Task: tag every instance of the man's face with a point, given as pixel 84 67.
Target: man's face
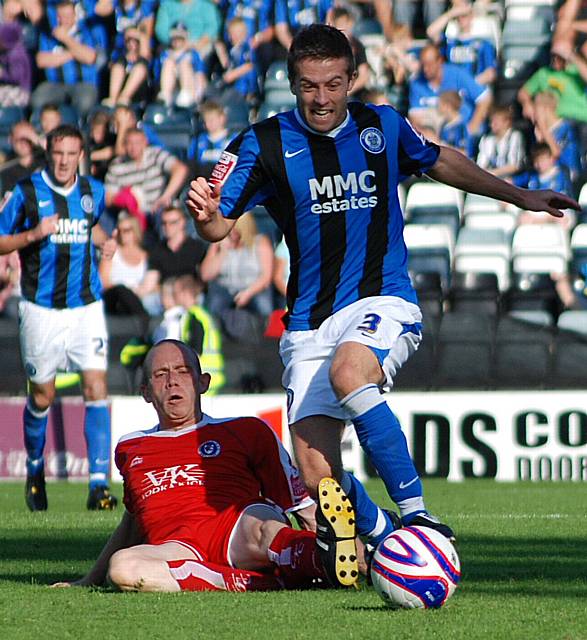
pixel 135 145
pixel 21 138
pixel 64 159
pixel 214 121
pixel 173 223
pixel 66 15
pixel 431 62
pixel 321 88
pixel 499 124
pixel 174 386
pixel 50 120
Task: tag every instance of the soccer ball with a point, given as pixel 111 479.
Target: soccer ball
pixel 415 567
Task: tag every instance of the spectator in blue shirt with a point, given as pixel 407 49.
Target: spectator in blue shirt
pixel 476 55
pixel 258 15
pixel 239 62
pixel 209 144
pixel 453 131
pixel 558 133
pixel 292 15
pixel 183 73
pixel 437 76
pixel 70 57
pixel 545 172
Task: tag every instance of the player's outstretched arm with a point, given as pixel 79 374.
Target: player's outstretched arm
pixel 203 203
pixel 124 536
pixel 456 170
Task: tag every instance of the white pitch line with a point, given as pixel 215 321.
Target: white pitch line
pixel 515 516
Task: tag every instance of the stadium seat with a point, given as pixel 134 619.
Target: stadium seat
pixel 163 118
pixel 504 220
pixel 532 292
pixel 540 248
pixel 519 61
pixel 579 249
pixel 427 195
pixel 430 249
pixel 280 98
pixel 474 203
pixel 475 293
pixel 523 353
pixel 484 251
pixel 570 352
pixel 433 203
pixel 465 349
pixel 420 369
pixel 428 286
pixel 535 31
pixel 367 26
pixel 276 76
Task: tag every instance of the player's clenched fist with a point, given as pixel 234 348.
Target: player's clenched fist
pixel 47 226
pixel 202 201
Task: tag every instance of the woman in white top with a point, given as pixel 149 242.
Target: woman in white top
pixel 238 271
pixel 122 276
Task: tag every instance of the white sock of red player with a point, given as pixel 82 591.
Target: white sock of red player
pixel 196 575
pixel 295 554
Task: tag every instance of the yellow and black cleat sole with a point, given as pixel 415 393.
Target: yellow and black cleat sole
pixel 338 516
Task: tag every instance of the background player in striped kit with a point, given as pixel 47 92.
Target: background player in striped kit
pixel 51 219
pixel 328 173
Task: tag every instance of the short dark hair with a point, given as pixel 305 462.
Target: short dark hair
pixel 321 42
pixel 64 131
pixel 539 149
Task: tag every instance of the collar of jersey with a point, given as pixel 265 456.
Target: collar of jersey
pixel 170 433
pixel 55 187
pixel 330 134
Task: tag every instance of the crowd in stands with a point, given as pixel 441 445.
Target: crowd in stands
pixel 159 88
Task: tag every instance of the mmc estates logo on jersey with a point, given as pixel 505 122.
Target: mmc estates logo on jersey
pixel 71 231
pixel 341 193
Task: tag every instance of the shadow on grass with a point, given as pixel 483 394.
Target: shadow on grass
pixel 500 559
pixel 69 547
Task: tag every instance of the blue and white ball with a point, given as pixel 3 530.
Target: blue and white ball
pixel 415 567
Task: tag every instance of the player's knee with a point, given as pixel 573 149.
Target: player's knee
pixel 344 377
pixel 42 399
pixel 95 389
pixel 124 570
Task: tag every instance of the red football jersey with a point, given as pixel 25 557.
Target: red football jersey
pixel 181 478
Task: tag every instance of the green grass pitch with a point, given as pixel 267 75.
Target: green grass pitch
pixel 523 548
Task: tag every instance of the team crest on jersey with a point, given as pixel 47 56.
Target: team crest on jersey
pixel 87 203
pixel 209 449
pixel 372 140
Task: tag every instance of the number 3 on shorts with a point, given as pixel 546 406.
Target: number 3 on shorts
pixel 370 323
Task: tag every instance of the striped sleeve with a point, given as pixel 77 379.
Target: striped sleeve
pixel 415 153
pixel 10 212
pixel 247 184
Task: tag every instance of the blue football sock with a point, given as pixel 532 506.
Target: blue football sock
pixel 35 430
pixel 383 440
pixel 97 433
pixel 372 522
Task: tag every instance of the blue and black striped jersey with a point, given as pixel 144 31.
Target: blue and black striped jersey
pixel 334 196
pixel 60 271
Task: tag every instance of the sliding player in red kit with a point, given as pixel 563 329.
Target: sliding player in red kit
pixel 206 500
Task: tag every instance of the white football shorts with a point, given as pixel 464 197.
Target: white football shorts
pixel 62 339
pixel 388 325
